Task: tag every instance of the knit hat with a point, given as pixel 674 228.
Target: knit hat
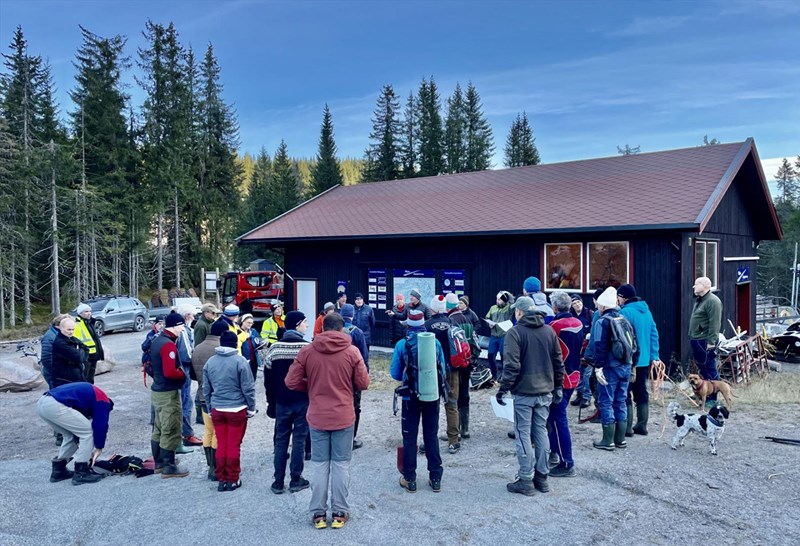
pixel 245 317
pixel 82 308
pixel 503 295
pixel 293 318
pixel 451 301
pixel 626 291
pixel 328 305
pixel 597 293
pixel 576 297
pixel 415 318
pixel 210 308
pixel 415 293
pixel 348 311
pixel 608 298
pixel 464 299
pixel 524 304
pixel 174 319
pixel 228 339
pixel 358 295
pixel 231 310
pixel 438 304
pixel 532 285
pixel 218 328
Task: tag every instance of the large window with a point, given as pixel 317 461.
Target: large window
pixel 563 264
pixel 608 264
pixel 706 256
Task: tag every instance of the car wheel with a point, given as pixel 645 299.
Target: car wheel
pixel 138 324
pixel 99 328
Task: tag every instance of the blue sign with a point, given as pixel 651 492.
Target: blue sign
pixel 414 273
pixel 742 275
pixel 453 281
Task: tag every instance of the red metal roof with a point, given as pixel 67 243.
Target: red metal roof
pixel 660 190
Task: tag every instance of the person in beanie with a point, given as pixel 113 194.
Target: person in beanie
pixel 534 374
pixel 326 310
pixel 286 406
pixel 500 312
pixel 364 318
pixel 613 374
pixel 415 302
pixel 570 337
pixel 635 309
pixel 439 325
pixel 403 368
pixel 704 326
pixel 168 378
pixel 252 345
pixel 79 412
pixel 230 317
pixel 582 313
pixel 397 329
pixel 463 306
pixel 359 342
pixel 457 318
pixel 185 345
pixel 208 315
pixel 532 286
pixel 200 356
pixel 86 334
pixel 230 392
pixel 587 387
pixel 273 328
pixel 341 299
pixel 330 370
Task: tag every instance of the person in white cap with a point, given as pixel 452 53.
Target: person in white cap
pixel 86 334
pixel 230 317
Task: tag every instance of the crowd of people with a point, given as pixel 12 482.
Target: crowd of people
pixel 541 352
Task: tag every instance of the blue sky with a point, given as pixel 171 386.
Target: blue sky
pixel 591 75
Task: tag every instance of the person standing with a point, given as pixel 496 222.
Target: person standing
pixel 635 309
pixel 326 310
pixel 415 303
pixel 439 325
pixel 461 315
pixel 252 344
pixel 341 299
pixel 69 355
pixel 185 345
pixel 86 334
pixel 405 368
pixel 230 392
pixel 230 317
pixel 704 327
pixel 288 407
pixel 360 342
pixel 46 359
pixel 532 287
pixel 534 373
pixel 364 318
pixel 273 328
pixel 330 369
pixel 500 312
pixel 79 412
pixel 585 389
pixel 397 329
pixel 208 315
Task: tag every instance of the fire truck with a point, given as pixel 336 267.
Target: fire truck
pixel 254 291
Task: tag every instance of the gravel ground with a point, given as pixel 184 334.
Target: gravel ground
pixel 645 494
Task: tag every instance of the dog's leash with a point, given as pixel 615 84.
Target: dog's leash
pixel 787 441
pixel 658 373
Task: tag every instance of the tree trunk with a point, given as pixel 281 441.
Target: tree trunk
pixel 177 242
pixel 2 298
pixel 55 287
pixel 160 253
pixel 12 286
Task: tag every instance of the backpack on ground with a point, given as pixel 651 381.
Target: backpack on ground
pixel 623 342
pixel 460 351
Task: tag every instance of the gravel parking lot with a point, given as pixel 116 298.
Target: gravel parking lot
pixel 645 494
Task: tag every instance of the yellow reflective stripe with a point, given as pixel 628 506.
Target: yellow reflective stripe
pixel 82 333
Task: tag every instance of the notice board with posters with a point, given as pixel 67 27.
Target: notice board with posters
pixel 423 280
pixel 376 289
pixel 453 281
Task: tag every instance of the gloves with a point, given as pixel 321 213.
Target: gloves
pixel 271 411
pixel 499 396
pixel 558 396
pixel 251 413
pixel 598 373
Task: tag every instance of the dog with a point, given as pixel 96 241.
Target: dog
pixel 711 424
pixel 706 387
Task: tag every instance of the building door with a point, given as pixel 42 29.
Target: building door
pixel 743 315
pixel 305 300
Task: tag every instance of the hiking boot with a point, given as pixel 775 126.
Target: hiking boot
pixel 619 435
pixel 357 443
pixel 158 465
pixel 563 471
pixel 233 486
pixel 553 459
pixel 277 487
pixel 577 401
pixel 463 419
pixel 319 521
pixel 422 449
pixel 585 403
pixel 452 449
pixel 198 415
pixel 60 471
pixel 211 461
pixel 339 519
pixel 298 485
pixel 171 468
pixel 84 474
pixel 629 427
pixel 512 434
pixel 222 486
pixel 411 487
pixel 642 415
pixel 182 449
pixel 192 440
pixel 436 485
pixel 540 482
pixel 607 442
pixel 523 487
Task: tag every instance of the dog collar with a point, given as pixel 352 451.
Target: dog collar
pixel 714 422
pixel 703 382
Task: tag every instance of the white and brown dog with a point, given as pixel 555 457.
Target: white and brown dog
pixel 711 424
pixel 704 388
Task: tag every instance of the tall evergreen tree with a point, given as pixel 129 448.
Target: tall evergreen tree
pixel 786 179
pixel 256 205
pixel 431 154
pixel 480 141
pixel 628 150
pixel 455 134
pixel 326 172
pixel 382 161
pixel 284 184
pixel 520 145
pixel 409 139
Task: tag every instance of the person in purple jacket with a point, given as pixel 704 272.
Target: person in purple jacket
pixel 79 412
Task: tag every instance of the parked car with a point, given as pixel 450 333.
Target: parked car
pixel 117 313
pixel 161 312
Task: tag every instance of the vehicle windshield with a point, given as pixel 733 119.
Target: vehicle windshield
pixel 97 305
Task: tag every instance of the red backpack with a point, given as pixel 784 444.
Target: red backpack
pixel 460 352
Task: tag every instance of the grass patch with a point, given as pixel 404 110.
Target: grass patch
pixel 379 377
pixel 776 388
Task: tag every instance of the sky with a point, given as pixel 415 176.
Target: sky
pixel 590 75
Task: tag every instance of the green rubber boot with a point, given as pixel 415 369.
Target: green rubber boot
pixel 629 428
pixel 642 415
pixel 607 442
pixel 619 435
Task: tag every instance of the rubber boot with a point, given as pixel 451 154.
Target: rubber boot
pixel 83 474
pixel 463 419
pixel 211 460
pixel 619 435
pixel 629 428
pixel 199 414
pixel 171 468
pixel 158 464
pixel 642 415
pixel 607 442
pixel 60 471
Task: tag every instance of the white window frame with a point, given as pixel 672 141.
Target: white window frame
pixel 705 243
pixel 546 274
pixel 589 260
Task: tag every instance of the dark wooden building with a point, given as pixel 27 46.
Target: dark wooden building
pixel 656 220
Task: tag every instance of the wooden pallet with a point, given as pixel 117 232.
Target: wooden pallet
pixel 736 367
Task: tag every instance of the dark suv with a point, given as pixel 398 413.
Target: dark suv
pixel 117 313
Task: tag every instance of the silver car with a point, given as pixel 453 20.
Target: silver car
pixel 117 313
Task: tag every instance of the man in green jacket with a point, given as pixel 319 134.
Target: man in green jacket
pixel 704 327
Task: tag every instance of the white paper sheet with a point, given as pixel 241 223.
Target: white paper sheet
pixel 506 325
pixel 504 412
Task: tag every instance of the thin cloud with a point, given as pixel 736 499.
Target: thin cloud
pixel 646 26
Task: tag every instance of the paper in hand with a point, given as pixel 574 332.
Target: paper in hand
pixel 504 412
pixel 506 325
pixel 491 323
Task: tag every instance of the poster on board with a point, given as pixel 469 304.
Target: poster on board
pixel 453 281
pixel 424 280
pixel 376 288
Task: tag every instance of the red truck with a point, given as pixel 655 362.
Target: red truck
pixel 253 291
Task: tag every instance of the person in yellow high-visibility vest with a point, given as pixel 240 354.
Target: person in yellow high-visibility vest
pixel 273 328
pixel 85 332
pixel 230 316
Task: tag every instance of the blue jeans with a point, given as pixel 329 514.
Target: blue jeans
pixel 414 410
pixel 558 426
pixel 290 419
pixel 186 404
pixel 706 361
pixel 331 452
pixel 584 390
pixel 530 422
pixel 496 346
pixel 611 398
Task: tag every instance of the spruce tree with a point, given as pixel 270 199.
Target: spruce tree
pixel 431 155
pixel 410 139
pixel 326 172
pixel 479 139
pixel 786 179
pixel 520 147
pixel 284 184
pixel 382 160
pixel 256 205
pixel 455 142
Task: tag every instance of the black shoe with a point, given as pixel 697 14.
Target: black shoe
pixel 60 471
pixel 277 487
pixel 523 487
pixel 452 449
pixel 585 403
pixel 411 487
pixel 222 486
pixel 357 443
pixel 553 459
pixel 298 485
pixel 84 474
pixel 562 471
pixel 577 401
pixel 512 434
pixel 540 482
pixel 233 486
pixel 422 449
pixel 436 485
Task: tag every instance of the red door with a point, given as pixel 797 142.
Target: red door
pixel 743 307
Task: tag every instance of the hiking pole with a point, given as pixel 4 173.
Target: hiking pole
pixel 787 441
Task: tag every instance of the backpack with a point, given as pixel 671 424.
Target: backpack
pixel 460 352
pixel 412 372
pixel 624 346
pixel 147 360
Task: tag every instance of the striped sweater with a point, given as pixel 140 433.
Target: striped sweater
pixel 277 361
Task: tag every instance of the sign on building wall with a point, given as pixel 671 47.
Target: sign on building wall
pixel 376 289
pixel 423 280
pixel 453 281
pixel 341 287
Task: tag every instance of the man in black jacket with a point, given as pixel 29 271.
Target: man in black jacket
pixel 69 355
